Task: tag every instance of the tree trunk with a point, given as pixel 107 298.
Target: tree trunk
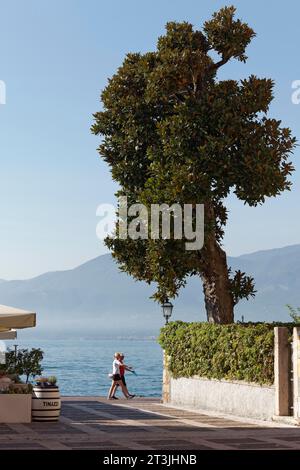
pixel 218 297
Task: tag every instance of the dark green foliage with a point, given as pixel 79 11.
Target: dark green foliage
pixel 294 313
pixel 234 352
pixel 27 362
pixel 172 132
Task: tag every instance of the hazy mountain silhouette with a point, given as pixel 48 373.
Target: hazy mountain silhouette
pixel 97 299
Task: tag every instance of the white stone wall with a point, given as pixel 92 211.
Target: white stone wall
pixel 15 408
pixel 232 397
pixel 296 372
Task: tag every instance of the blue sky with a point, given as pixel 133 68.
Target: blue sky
pixel 55 58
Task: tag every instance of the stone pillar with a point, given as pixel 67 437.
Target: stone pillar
pixel 296 372
pixel 281 371
pixel 166 379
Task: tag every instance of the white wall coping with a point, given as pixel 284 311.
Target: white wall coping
pixel 238 382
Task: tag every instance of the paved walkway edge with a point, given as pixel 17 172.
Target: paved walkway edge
pixel 271 424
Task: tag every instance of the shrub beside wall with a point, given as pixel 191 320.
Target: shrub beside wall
pixel 234 352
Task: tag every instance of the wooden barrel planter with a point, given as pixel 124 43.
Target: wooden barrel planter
pixel 46 403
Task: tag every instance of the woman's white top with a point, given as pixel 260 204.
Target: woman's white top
pixel 116 367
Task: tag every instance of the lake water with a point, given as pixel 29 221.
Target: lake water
pixel 82 366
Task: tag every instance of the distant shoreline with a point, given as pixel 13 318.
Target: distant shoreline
pixel 84 338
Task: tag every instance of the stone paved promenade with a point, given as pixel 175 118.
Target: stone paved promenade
pixel 93 423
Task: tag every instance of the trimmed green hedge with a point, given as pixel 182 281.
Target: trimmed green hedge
pixel 239 351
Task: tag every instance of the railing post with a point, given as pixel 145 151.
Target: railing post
pixel 296 372
pixel 281 371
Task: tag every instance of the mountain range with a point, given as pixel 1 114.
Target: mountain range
pixel 96 299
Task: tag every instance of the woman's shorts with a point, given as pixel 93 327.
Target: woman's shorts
pixel 116 377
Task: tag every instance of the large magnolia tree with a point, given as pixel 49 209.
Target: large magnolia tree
pixel 173 133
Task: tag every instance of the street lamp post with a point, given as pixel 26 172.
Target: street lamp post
pixel 167 309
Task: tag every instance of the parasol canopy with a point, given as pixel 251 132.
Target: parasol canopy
pixel 15 318
pixel 9 334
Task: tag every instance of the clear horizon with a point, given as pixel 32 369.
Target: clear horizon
pixel 56 59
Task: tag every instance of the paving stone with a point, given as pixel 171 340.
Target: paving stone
pixel 117 429
pixel 261 446
pixel 21 446
pixel 89 423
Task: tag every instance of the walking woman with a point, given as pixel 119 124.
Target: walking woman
pixel 123 368
pixel 117 379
